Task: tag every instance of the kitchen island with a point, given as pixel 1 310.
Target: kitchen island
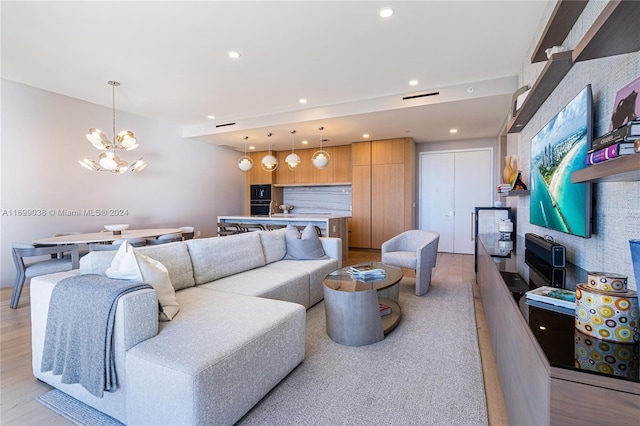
pixel 331 225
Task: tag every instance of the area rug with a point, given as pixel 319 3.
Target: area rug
pixel 425 372
pixel 74 410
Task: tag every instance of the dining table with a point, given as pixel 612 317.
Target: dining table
pixel 105 236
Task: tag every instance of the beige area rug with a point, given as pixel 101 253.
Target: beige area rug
pixel 427 371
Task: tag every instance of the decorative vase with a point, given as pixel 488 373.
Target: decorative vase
pixel 506 173
pixel 514 170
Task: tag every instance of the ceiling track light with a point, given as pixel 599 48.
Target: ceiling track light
pixel 292 159
pixel 321 158
pixel 245 163
pixel 269 162
pixel 109 161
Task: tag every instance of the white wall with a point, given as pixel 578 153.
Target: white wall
pixel 186 183
pixel 617 204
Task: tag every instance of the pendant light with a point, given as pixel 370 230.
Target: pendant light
pixel 292 159
pixel 125 140
pixel 320 158
pixel 245 163
pixel 269 162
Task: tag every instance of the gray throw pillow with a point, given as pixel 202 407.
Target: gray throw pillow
pixel 305 246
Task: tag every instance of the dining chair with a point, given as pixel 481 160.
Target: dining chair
pixel 274 226
pixel 165 238
pixel 63 234
pixel 249 227
pixel 187 232
pixel 228 228
pixel 28 270
pixel 135 242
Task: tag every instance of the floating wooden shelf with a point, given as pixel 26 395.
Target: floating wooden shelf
pixel 621 169
pixel 517 192
pixel 614 32
pixel 562 19
pixel 554 71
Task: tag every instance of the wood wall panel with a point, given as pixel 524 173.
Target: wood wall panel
pixel 388 151
pixel 387 202
pixel 360 224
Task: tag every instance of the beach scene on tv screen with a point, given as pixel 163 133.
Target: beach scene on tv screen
pixel 556 151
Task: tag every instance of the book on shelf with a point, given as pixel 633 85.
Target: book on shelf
pixel 553 296
pixel 612 151
pixel 384 309
pixel 627 133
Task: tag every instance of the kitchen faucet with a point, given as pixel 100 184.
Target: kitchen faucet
pixel 270 209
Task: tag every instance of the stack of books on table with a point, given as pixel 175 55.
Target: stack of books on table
pixel 552 298
pixel 504 187
pixel 624 140
pixel 384 309
pixel 366 272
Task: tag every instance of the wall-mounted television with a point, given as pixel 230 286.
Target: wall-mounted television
pixel 558 150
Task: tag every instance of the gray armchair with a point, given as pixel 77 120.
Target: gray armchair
pixel 25 270
pixel 415 249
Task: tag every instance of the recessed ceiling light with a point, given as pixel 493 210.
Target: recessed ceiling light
pixel 252 147
pixel 413 82
pixel 305 142
pixel 453 131
pixel 385 12
pixel 366 135
pixel 234 55
pixel 211 117
pixel 302 100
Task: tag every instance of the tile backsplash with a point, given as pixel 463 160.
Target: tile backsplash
pixel 332 199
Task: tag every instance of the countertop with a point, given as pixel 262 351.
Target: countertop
pixel 282 217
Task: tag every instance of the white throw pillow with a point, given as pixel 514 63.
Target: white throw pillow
pixel 130 265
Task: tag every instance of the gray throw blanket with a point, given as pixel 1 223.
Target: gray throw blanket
pixel 79 337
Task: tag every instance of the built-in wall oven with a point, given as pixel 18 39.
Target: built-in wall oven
pixel 260 200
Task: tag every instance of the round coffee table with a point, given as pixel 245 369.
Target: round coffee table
pixel 352 306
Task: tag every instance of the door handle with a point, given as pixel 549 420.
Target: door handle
pixel 472 225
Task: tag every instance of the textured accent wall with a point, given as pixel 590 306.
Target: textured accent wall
pixel 617 204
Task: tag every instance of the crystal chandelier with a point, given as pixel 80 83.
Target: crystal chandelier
pixel 292 159
pixel 269 162
pixel 125 140
pixel 320 158
pixel 245 163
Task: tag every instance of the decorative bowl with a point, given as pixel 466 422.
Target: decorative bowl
pixel 117 228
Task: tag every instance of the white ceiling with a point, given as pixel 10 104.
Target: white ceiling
pixel 352 66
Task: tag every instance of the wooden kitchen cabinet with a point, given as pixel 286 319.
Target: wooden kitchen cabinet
pixel 382 191
pixel 337 171
pixel 304 171
pixel 341 161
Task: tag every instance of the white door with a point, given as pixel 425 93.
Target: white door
pixel 437 197
pixel 452 184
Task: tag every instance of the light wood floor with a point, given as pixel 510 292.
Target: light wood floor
pixel 18 387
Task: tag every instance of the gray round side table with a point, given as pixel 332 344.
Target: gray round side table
pixel 352 310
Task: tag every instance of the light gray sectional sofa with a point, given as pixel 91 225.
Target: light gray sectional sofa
pixel 239 331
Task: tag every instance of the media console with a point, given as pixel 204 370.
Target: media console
pixel 537 390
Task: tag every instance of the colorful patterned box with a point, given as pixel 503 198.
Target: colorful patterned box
pixel 606 281
pixel 619 359
pixel 609 315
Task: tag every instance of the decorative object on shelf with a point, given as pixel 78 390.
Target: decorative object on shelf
pixel 593 354
pixel 610 315
pixel 506 173
pixel 553 50
pixel 245 163
pixel 505 228
pixel 627 105
pixel 292 159
pixel 321 158
pixel 125 140
pixel 269 162
pixel 117 228
pixel 516 181
pixel 635 259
